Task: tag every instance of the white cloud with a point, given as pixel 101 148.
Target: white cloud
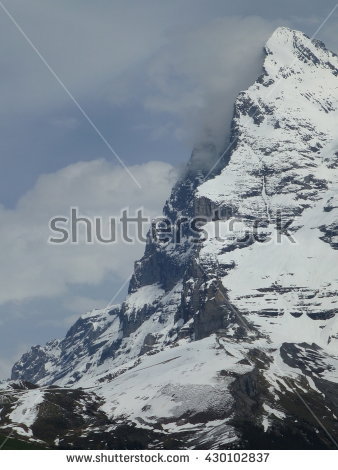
pixel 146 54
pixel 197 76
pixel 190 65
pixel 31 268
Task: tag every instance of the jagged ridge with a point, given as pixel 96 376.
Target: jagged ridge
pixel 214 339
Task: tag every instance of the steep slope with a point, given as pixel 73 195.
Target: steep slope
pixel 236 333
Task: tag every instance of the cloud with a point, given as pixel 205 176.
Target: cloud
pixel 198 75
pixel 31 268
pixel 129 64
pixel 190 66
pixel 90 48
pixel 161 61
pixel 44 288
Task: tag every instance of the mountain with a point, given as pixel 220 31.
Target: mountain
pixel 228 341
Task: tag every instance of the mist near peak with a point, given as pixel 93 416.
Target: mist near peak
pixel 197 77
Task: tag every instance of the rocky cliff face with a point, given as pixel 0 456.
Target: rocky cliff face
pixel 230 341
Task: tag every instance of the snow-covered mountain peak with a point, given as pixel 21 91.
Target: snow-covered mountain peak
pixel 292 49
pixel 284 130
pixel 221 337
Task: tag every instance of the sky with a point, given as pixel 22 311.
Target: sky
pixel 101 106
